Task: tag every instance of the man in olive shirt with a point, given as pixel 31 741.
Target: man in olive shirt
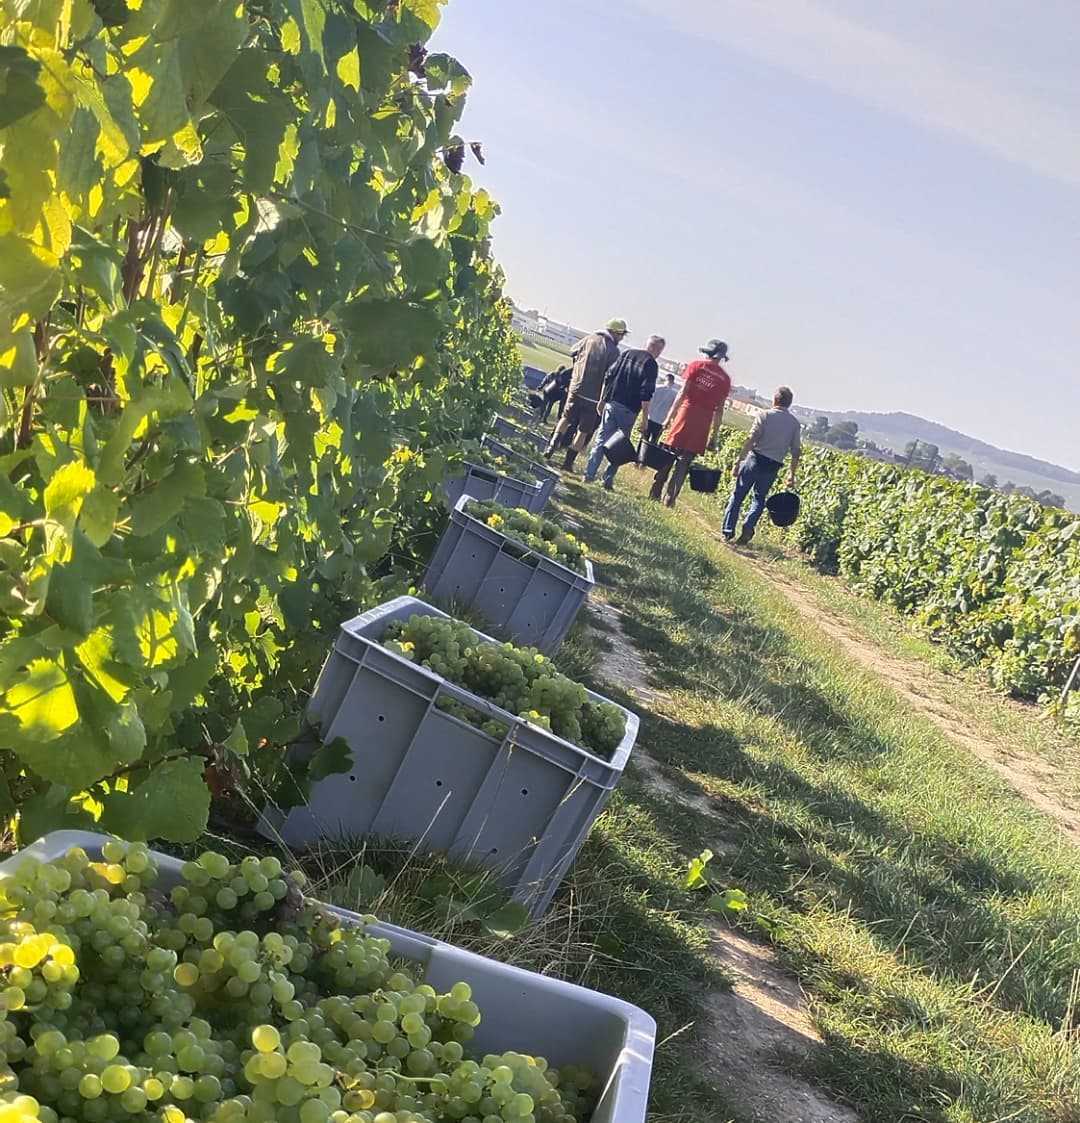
pixel 774 435
pixel 593 355
pixel 628 386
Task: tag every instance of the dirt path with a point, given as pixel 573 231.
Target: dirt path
pixel 757 1035
pixel 929 693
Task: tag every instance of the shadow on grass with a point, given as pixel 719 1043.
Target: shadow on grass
pixel 948 909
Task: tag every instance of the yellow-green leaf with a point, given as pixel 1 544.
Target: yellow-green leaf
pixel 348 69
pixel 65 492
pixel 42 701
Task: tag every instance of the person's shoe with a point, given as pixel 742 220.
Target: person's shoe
pixel 608 486
pixel 669 502
pixel 568 463
pixel 727 537
pixel 744 539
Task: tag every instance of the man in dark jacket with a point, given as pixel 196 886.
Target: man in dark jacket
pixel 553 390
pixel 628 387
pixel 593 356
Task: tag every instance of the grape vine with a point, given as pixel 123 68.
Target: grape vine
pixel 246 314
pixel 994 578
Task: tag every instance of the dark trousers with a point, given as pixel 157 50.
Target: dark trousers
pixel 577 424
pixel 757 474
pixel 550 403
pixel 674 474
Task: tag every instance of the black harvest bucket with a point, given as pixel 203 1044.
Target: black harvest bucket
pixel 704 479
pixel 619 449
pixel 654 455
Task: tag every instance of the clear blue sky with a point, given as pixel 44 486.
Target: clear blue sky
pixel 876 202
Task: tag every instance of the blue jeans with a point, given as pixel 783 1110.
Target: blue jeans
pixel 614 418
pixel 757 474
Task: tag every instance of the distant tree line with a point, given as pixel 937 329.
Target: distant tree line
pixel 844 434
pixel 927 457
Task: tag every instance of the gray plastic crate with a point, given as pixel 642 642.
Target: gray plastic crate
pixel 501 427
pixel 529 598
pixel 522 1011
pixel 547 477
pixel 520 805
pixel 481 482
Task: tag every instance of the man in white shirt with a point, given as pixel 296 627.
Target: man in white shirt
pixel 665 393
pixel 774 435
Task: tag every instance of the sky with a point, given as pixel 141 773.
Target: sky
pixel 874 201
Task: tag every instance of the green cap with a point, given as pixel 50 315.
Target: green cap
pixel 616 325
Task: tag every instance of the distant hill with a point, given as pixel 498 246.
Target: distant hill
pixel 895 430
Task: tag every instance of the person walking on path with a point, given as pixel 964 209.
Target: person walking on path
pixel 693 420
pixel 660 406
pixel 774 435
pixel 593 357
pixel 628 387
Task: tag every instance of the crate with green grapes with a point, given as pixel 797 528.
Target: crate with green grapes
pixel 473 747
pixel 523 574
pixel 141 987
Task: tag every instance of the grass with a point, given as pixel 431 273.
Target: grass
pixel 542 356
pixel 736 420
pixel 1029 729
pixel 617 924
pixel 932 916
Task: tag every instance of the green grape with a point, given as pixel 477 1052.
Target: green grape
pixel 207 1088
pixel 90 1086
pixel 314 1111
pixel 154 1088
pixel 265 1038
pixel 289 1091
pixel 186 974
pixel 116 1079
pixel 271 1066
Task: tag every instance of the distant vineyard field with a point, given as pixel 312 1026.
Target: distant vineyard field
pixel 994 578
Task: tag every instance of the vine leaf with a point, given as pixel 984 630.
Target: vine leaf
pixel 695 871
pixel 42 701
pixel 51 810
pixel 728 902
pixel 385 334
pixel 20 93
pixel 506 921
pixel 237 741
pixel 330 759
pixel 172 803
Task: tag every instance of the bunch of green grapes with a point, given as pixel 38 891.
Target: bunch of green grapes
pixel 497 461
pixel 536 533
pixel 603 726
pixel 520 680
pixel 122 1003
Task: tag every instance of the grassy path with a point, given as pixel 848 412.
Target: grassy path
pixel 1022 743
pixel 931 914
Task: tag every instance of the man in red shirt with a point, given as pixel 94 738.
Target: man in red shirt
pixel 693 419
